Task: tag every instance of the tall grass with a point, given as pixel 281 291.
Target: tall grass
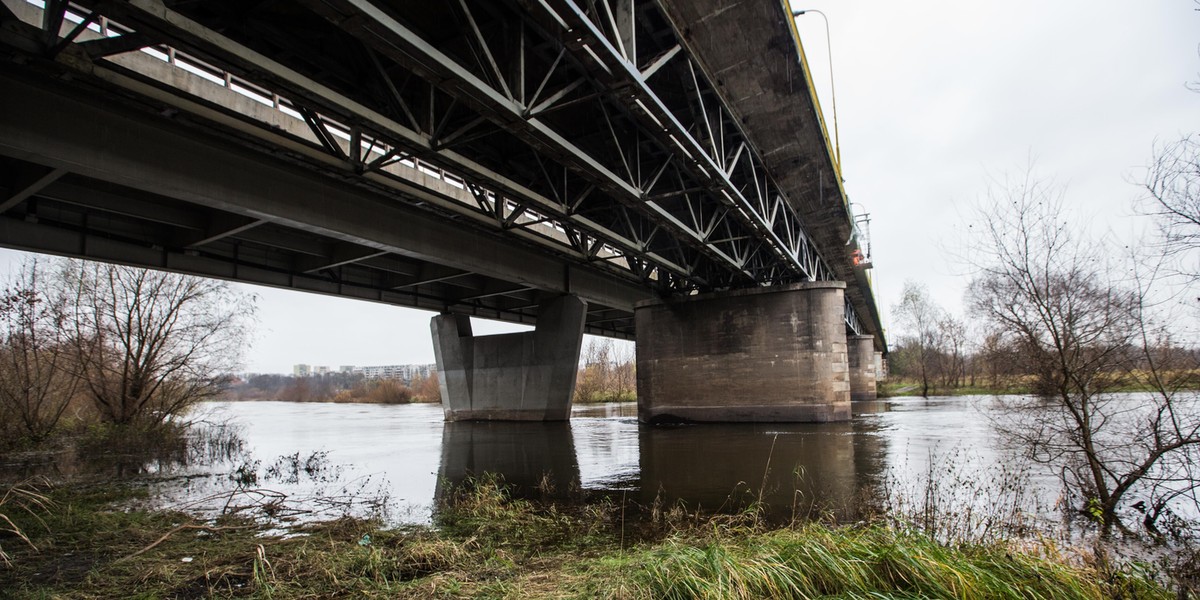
pixel 25 497
pixel 816 561
pixel 959 497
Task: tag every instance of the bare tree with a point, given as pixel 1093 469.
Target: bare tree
pixel 607 374
pixel 1172 186
pixel 38 379
pixel 1084 328
pixel 153 343
pixel 427 388
pixel 594 379
pixel 624 370
pixel 952 335
pixel 997 360
pixel 921 320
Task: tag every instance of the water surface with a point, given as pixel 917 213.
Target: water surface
pixel 406 456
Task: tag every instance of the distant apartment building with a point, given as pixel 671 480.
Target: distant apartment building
pixel 406 373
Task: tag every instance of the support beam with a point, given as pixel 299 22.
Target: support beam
pixel 512 377
pixel 221 226
pixel 758 355
pixel 28 186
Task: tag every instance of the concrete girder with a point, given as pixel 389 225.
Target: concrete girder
pixel 58 126
pixel 28 185
pixel 164 23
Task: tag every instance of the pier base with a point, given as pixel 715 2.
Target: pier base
pixel 510 377
pixel 756 355
pixel 861 353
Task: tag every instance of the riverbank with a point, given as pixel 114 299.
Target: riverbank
pixel 1020 386
pixel 484 543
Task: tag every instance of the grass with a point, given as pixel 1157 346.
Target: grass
pixel 487 544
pixel 818 562
pixel 24 498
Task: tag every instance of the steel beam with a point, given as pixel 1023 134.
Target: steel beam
pixel 61 127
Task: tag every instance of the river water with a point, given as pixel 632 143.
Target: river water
pixel 397 460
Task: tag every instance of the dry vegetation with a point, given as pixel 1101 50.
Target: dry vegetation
pixel 486 544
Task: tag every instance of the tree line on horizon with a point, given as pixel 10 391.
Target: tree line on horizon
pixel 334 387
pixel 938 353
pixel 607 373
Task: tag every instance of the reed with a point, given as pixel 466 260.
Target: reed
pixel 817 561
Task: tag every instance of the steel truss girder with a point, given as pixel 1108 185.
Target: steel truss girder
pixel 766 211
pixel 503 108
pixel 149 15
pixel 750 233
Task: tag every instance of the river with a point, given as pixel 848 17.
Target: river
pixel 395 461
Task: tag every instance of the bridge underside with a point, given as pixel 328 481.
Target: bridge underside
pixel 471 158
pixel 88 179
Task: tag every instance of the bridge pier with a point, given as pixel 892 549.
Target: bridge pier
pixel 510 377
pixel 861 353
pixel 753 355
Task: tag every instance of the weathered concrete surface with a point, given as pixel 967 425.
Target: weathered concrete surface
pixel 511 377
pixel 860 351
pixel 758 355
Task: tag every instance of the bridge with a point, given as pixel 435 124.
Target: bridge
pixel 655 170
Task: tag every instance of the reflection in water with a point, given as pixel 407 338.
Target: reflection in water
pixel 137 455
pixel 531 458
pixel 408 454
pixel 790 470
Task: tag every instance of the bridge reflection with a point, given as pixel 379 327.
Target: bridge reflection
pixel 532 458
pixel 800 471
pixel 792 471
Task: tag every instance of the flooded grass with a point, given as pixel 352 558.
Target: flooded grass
pixel 485 543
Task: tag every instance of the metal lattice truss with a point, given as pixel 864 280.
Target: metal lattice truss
pixel 580 126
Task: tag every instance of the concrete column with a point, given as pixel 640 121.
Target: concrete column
pixel 756 355
pixel 510 377
pixel 861 352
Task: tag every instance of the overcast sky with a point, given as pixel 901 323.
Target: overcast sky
pixel 936 97
pixel 933 98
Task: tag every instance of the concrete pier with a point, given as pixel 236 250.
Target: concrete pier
pixel 860 350
pixel 756 355
pixel 510 377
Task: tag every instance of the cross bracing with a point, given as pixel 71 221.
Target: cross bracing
pixel 584 128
